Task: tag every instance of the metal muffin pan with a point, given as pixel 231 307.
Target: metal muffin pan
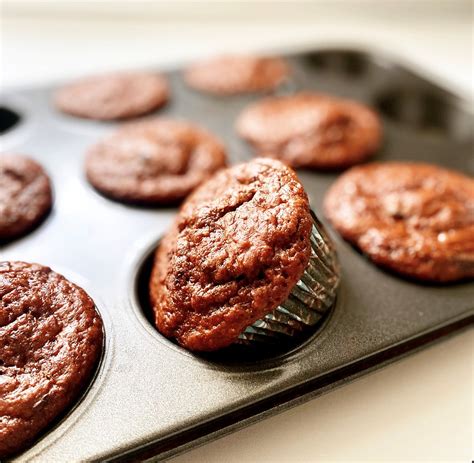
pixel 153 399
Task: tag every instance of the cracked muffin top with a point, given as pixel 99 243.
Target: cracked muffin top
pixel 234 253
pixel 311 130
pixel 235 74
pixel 113 96
pixel 155 161
pixel 413 218
pixel 50 343
pixel 25 195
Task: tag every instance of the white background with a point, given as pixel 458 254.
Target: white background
pixel 420 408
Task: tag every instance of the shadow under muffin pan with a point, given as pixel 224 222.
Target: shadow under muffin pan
pixel 156 399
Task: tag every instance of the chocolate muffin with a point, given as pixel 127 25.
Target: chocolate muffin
pixel 311 130
pixel 50 344
pixel 113 96
pixel 238 248
pixel 25 195
pixel 235 74
pixel 153 162
pixel 415 219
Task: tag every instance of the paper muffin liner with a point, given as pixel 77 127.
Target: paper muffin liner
pixel 310 299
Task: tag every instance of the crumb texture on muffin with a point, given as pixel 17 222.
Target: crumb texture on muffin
pixel 112 96
pixel 50 342
pixel 311 130
pixel 158 161
pixel 237 248
pixel 415 219
pixel 25 195
pixel 234 74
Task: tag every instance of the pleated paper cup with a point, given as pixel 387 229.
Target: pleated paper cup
pixel 310 300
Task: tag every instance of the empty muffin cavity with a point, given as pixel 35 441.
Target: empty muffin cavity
pixel 9 119
pixel 345 62
pixel 425 110
pixel 238 353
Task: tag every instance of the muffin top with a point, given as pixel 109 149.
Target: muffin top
pixel 234 253
pixel 311 130
pixel 25 195
pixel 112 96
pixel 416 219
pixel 234 74
pixel 50 342
pixel 157 161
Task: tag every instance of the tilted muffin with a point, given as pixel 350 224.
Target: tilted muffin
pixel 25 195
pixel 153 162
pixel 415 219
pixel 236 254
pixel 50 343
pixel 311 130
pixel 118 95
pixel 235 74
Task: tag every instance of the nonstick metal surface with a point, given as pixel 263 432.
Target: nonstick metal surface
pixel 152 398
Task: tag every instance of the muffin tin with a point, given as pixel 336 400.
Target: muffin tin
pixel 152 398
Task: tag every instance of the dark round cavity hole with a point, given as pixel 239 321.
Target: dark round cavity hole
pixel 232 355
pixel 350 63
pixel 8 119
pixel 425 110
